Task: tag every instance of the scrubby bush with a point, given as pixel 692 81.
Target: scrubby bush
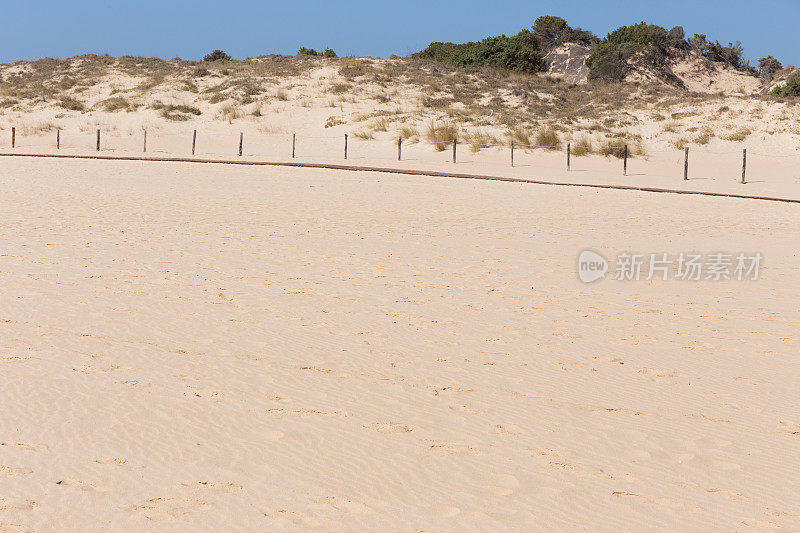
pixel 551 32
pixel 609 61
pixel 790 89
pixel 217 55
pixel 768 66
pixel 733 54
pixel 311 52
pixel 519 53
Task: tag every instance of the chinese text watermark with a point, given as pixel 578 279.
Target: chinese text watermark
pixel 717 266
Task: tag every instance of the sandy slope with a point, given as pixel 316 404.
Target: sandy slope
pixel 206 347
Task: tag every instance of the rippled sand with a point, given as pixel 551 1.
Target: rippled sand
pixel 210 347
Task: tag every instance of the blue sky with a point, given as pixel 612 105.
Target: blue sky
pixel 247 28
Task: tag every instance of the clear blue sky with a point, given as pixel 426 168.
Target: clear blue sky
pixel 245 28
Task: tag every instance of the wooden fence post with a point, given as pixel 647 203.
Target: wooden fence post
pixel 569 153
pixel 686 164
pixel 194 141
pixel 400 148
pixel 512 154
pixel 625 163
pixel 144 146
pixel 455 142
pixel 58 139
pixel 13 137
pixel 241 141
pixel 98 140
pixel 345 146
pixel 744 165
pixel 294 143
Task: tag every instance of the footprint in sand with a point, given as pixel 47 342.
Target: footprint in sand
pixel 449 447
pixel 344 504
pixel 23 446
pixel 17 504
pixel 390 427
pixel 167 508
pixel 83 485
pixel 7 471
pixel 230 488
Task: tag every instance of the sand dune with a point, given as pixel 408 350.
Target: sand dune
pixel 207 347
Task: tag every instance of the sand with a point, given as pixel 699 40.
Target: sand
pixel 195 347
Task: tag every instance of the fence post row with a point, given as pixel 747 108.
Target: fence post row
pixel 625 156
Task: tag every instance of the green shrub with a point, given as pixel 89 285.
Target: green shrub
pixel 790 89
pixel 733 54
pixel 311 52
pixel 768 66
pixel 217 55
pixel 609 61
pixel 519 53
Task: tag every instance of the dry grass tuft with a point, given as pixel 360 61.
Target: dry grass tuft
pixel 548 139
pixel 583 146
pixel 71 103
pixel 478 140
pixel 737 136
pixel 442 135
pixel 409 133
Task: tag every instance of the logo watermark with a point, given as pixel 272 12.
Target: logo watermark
pixel 717 266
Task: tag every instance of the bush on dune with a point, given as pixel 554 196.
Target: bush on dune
pixel 523 52
pixel 217 55
pixel 790 89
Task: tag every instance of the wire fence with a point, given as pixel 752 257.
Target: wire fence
pixel 284 145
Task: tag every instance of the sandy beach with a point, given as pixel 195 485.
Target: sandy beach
pixel 189 347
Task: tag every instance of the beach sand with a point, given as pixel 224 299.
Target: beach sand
pixel 206 347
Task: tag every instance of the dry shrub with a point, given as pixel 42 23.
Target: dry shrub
pixel 409 133
pixel 117 103
pixel 737 136
pixel 613 148
pixel 583 146
pixel 71 103
pixel 548 138
pixel 479 140
pixel 441 135
pixel 520 136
